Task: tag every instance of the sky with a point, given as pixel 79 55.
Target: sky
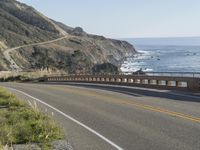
pixel 126 18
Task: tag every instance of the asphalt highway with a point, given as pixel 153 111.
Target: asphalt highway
pixel 13 64
pixel 102 117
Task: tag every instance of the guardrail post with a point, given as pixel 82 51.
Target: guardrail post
pixel 124 80
pixel 102 79
pixel 176 80
pixel 119 79
pixel 130 80
pixel 107 79
pixel 137 81
pixel 113 80
pixel 145 81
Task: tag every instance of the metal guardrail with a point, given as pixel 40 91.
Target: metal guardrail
pixel 169 74
pixel 167 80
pixel 175 74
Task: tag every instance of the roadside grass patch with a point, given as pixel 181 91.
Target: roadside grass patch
pixel 23 124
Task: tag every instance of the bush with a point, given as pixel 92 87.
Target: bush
pixel 21 124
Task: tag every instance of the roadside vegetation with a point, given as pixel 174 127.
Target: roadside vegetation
pixel 40 75
pixel 21 123
pixel 23 76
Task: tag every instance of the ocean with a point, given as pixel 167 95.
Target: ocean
pixel 155 55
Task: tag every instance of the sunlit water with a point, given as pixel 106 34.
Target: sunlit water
pixel 164 59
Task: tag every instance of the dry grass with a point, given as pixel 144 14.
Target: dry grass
pixel 33 74
pixel 23 124
pixel 8 76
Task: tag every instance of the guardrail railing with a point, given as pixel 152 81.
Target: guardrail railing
pixel 167 80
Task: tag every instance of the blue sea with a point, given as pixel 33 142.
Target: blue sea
pixel 156 55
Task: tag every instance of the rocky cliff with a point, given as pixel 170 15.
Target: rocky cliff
pixel 77 52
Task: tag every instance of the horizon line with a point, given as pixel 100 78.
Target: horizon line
pixel 160 37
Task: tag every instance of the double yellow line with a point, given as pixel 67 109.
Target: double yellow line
pixel 91 93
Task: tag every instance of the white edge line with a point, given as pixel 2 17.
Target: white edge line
pixel 74 120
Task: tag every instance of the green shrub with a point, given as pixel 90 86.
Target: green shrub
pixel 21 124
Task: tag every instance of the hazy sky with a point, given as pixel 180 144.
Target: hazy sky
pixel 126 18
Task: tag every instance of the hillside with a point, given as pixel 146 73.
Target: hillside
pixel 76 53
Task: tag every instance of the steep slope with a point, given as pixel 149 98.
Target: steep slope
pixel 77 52
pixel 22 22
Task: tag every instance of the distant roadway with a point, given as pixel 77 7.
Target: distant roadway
pixel 101 117
pixel 13 64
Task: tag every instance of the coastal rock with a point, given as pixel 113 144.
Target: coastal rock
pixel 61 145
pixel 25 147
pixel 56 145
pixel 21 25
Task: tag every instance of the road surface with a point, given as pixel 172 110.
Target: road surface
pixel 13 64
pixel 98 117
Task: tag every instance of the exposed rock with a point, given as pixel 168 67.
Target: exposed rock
pixel 25 147
pixel 22 25
pixel 61 145
pixel 104 68
pixel 56 145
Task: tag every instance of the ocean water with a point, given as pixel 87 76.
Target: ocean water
pixel 164 58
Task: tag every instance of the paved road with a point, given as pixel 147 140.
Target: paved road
pixel 98 117
pixel 13 64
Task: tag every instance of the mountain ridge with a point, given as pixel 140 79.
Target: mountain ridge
pixel 80 52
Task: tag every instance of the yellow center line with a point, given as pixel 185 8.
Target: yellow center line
pixel 86 92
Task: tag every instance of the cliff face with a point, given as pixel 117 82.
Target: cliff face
pixel 77 52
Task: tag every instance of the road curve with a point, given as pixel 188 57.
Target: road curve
pixel 125 118
pixel 13 64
